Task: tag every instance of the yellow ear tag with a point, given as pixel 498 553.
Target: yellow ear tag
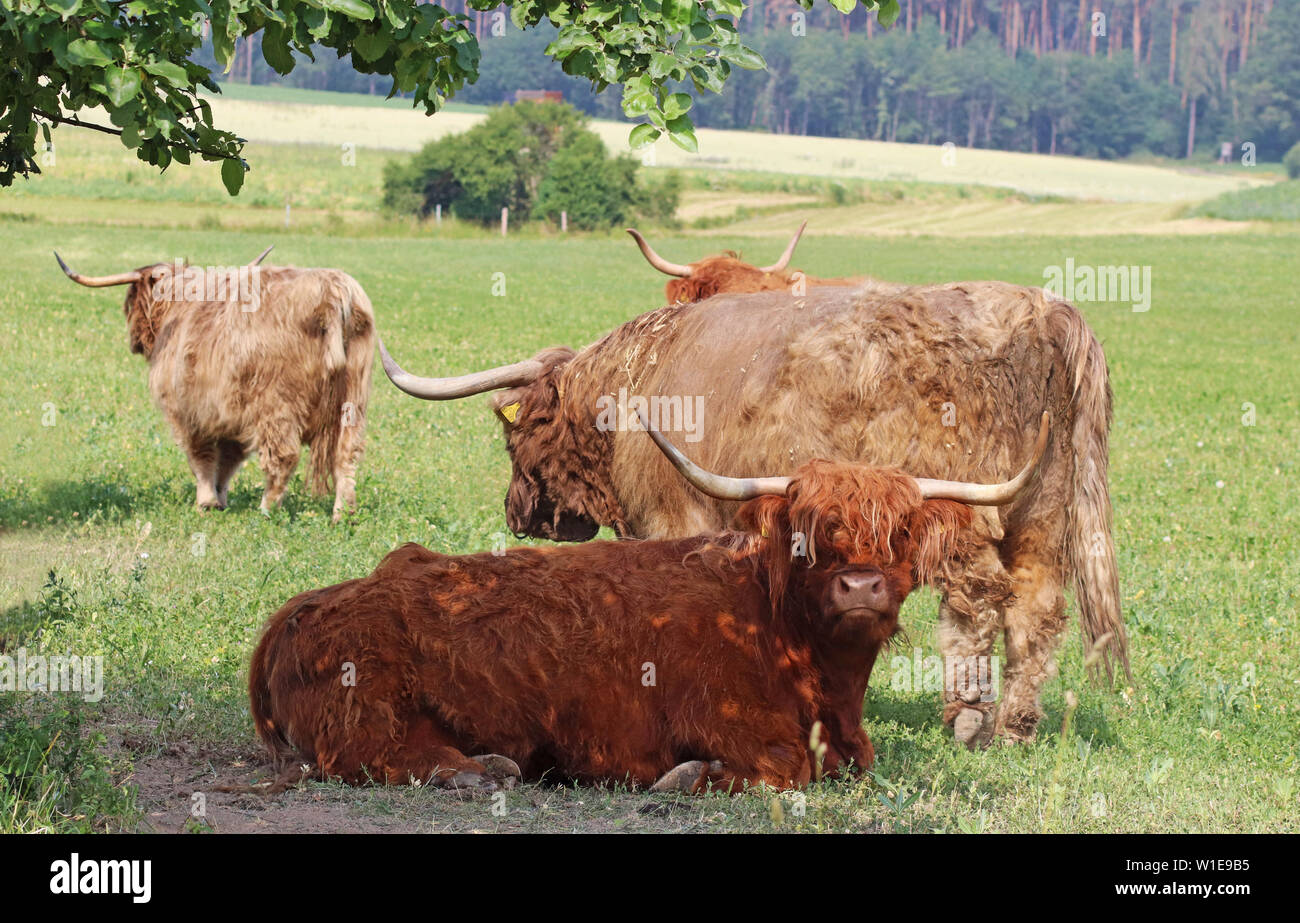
pixel 510 411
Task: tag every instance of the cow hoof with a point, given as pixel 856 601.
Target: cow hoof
pixel 502 769
pixel 971 727
pixel 684 777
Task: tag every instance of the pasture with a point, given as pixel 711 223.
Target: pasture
pixel 102 551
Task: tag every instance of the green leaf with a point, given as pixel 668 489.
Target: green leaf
pixel 641 135
pixel 887 15
pixel 172 73
pixel 122 84
pixel 744 57
pixel 844 6
pixel 685 140
pixel 85 52
pixel 232 174
pixel 353 9
pixel 371 46
pixel 223 48
pixel 397 17
pixel 65 7
pixel 675 105
pixel 275 49
pixel 678 14
pixel 637 101
pixel 661 65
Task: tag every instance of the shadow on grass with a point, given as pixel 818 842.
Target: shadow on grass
pixel 113 499
pixel 118 499
pixel 923 714
pixel 19 623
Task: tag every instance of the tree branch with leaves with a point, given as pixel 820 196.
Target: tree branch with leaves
pixel 125 67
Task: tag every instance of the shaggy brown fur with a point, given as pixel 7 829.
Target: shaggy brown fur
pixel 727 272
pixel 946 380
pixel 231 382
pixel 610 661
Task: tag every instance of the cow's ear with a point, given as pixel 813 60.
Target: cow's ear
pixel 937 530
pixel 506 404
pixel 768 519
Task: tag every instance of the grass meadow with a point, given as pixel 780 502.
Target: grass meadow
pixel 102 551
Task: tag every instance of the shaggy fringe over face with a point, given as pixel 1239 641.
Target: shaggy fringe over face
pixel 851 514
pixel 560 460
pixel 144 314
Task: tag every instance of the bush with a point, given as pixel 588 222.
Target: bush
pixel 54 776
pixel 593 188
pixel 1292 161
pixel 538 160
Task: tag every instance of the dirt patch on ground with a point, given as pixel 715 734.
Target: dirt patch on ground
pixel 176 794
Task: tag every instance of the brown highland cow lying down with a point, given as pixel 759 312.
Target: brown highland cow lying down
pixel 707 660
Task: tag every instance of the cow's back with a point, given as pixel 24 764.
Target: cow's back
pixel 942 381
pixel 595 659
pixel 220 368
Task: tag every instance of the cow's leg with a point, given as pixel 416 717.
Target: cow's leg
pixel 968 639
pixel 345 473
pixel 780 768
pixel 971 615
pixel 1034 621
pixel 230 455
pixel 689 777
pixel 202 455
pixel 410 747
pixel 279 445
pixel 352 430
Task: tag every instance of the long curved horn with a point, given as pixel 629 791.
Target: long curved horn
pixel 263 255
pixel 715 485
pixel 657 261
pixel 446 389
pixel 728 488
pixel 988 494
pixel 121 278
pixel 789 252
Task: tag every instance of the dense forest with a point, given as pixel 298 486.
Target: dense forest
pixel 1096 78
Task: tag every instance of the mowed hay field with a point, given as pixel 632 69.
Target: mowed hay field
pixel 102 552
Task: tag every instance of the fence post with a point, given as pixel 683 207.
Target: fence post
pixel 505 220
pixel 437 213
pixel 564 222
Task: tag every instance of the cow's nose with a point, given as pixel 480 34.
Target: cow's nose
pixel 861 590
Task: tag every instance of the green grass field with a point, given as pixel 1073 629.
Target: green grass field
pixel 102 552
pixel 1278 202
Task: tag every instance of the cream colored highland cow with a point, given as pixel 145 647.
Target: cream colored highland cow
pixel 258 359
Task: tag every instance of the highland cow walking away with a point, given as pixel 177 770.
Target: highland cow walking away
pixel 945 381
pixel 712 660
pixel 257 359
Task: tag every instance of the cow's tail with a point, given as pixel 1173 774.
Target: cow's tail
pixel 1091 545
pixel 349 354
